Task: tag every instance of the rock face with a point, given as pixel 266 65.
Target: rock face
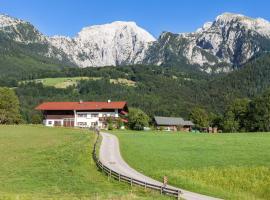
pixel 219 46
pixel 228 42
pixel 114 44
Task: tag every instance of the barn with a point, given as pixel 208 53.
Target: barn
pixel 173 124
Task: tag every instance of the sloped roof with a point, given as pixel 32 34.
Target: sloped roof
pixel 172 121
pixel 81 105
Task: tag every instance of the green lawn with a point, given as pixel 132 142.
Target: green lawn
pixel 230 166
pixel 55 163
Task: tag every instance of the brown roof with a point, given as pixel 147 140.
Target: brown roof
pixel 81 105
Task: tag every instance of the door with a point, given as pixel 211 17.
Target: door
pixel 69 122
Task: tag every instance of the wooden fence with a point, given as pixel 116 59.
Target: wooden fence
pixel 120 177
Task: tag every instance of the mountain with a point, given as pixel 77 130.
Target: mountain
pixel 24 50
pixel 118 43
pixel 222 45
pixel 113 44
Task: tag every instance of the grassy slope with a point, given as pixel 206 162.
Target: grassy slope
pixel 232 166
pixel 54 163
pixel 64 82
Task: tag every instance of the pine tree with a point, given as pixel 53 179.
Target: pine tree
pixel 9 107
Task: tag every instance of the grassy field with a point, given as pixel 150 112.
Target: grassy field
pixel 64 82
pixel 55 163
pixel 61 82
pixel 230 166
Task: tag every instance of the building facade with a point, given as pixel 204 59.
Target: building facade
pixel 82 114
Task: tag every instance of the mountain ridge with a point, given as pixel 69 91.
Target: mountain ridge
pixel 228 42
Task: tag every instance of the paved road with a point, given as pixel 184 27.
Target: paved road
pixel 110 156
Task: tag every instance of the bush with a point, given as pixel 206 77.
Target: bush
pixel 137 119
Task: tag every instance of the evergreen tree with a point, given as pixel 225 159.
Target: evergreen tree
pixel 9 107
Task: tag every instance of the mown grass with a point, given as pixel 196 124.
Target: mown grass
pixel 230 166
pixel 55 163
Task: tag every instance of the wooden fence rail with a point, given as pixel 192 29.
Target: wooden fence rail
pixel 120 177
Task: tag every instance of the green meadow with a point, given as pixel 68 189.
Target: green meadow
pixel 60 82
pixel 229 166
pixel 64 82
pixel 55 163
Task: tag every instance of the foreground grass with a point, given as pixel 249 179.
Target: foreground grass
pixel 55 163
pixel 230 166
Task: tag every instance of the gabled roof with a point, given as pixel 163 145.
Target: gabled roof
pixel 81 105
pixel 172 121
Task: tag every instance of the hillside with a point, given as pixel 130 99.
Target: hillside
pixel 159 90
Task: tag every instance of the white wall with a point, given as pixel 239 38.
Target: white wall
pixel 89 118
pixel 50 122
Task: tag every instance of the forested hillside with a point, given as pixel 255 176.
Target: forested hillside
pixel 158 90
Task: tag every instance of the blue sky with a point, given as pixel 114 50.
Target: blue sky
pixel 67 17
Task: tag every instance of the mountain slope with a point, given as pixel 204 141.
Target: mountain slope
pixel 118 43
pixel 227 43
pixel 223 45
pixel 114 44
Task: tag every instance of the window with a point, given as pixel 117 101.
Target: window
pixel 93 124
pixel 82 123
pixel 94 115
pixel 50 122
pixel 82 115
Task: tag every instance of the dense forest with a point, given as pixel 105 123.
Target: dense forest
pixel 158 90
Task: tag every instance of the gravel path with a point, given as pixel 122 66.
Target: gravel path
pixel 110 156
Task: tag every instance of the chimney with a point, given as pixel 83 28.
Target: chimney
pixel 109 101
pixel 81 101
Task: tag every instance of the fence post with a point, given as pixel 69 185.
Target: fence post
pixel 131 182
pixel 119 177
pixel 161 188
pixel 144 185
pixel 178 195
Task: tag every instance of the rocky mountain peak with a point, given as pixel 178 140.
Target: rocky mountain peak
pixel 6 20
pixel 114 44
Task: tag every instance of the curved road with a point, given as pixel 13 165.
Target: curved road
pixel 110 156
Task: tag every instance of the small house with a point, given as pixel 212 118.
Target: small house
pixel 173 124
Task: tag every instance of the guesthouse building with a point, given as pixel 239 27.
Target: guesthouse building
pixel 82 114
